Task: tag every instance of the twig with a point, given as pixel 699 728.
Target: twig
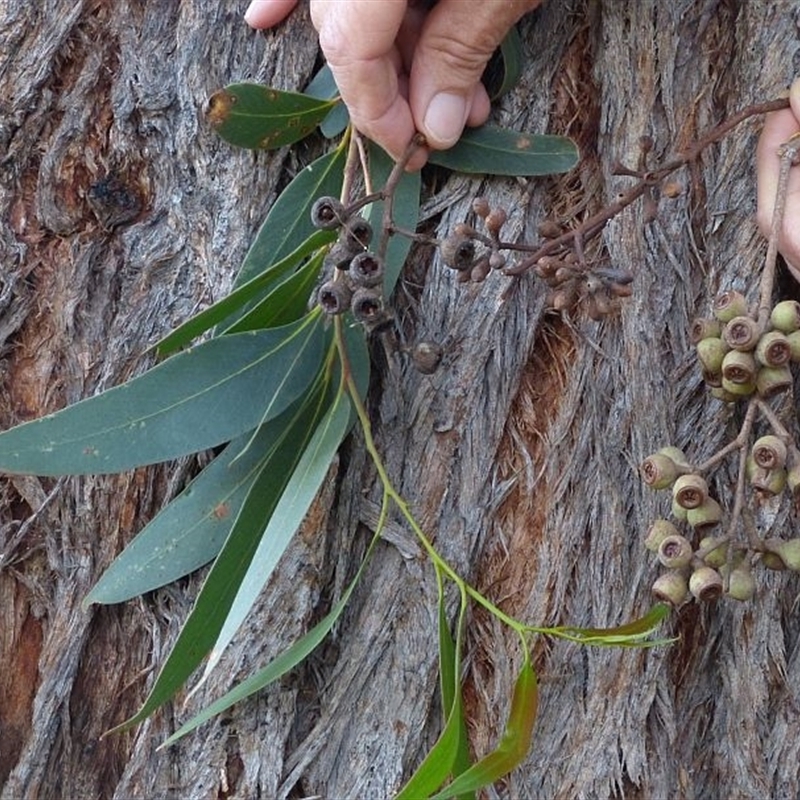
pixel 592 226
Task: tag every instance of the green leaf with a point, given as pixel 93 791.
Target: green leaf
pixel 504 68
pixel 514 744
pixel 450 754
pixel 246 293
pixel 255 116
pixel 286 661
pixel 629 634
pixel 500 151
pixel 288 223
pixel 405 212
pixel 273 455
pixel 193 528
pixel 323 87
pixel 286 302
pixel 198 399
pixel 289 513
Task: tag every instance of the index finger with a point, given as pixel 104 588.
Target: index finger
pixel 358 38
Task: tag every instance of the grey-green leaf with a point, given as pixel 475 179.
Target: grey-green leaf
pixel 499 151
pixel 198 399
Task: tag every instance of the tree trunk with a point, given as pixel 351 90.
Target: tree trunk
pixel 123 214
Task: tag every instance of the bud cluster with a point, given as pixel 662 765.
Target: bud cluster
pixel 700 563
pixel 355 281
pixel 472 254
pixel 738 357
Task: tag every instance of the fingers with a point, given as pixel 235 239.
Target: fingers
pixel 358 38
pixel 778 127
pixel 266 13
pixel 457 40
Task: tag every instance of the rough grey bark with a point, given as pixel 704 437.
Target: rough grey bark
pixel 519 456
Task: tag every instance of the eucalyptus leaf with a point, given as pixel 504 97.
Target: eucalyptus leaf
pixel 505 66
pixel 514 744
pixel 272 457
pixel 286 661
pixel 248 292
pixel 288 224
pixel 190 531
pixel 499 151
pixel 198 399
pixel 289 513
pixel 286 302
pixel 255 116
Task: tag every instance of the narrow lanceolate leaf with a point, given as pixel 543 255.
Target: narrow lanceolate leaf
pixel 450 754
pixel 198 399
pixel 514 744
pixel 629 634
pixel 289 513
pixel 288 223
pixel 249 292
pixel 499 151
pixel 192 529
pixel 278 454
pixel 255 116
pixel 405 212
pixel 286 302
pixel 286 661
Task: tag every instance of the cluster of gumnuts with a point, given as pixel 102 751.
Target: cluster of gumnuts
pixel 354 278
pixel 740 357
pixel 475 254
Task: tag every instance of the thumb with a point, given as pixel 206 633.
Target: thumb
pixel 266 13
pixel 456 42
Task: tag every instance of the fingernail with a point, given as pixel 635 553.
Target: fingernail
pixel 251 10
pixel 445 118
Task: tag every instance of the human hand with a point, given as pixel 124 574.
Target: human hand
pixel 779 126
pixel 401 68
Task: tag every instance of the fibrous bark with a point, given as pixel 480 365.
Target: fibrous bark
pixel 122 214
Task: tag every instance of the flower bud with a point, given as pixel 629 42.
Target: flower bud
pixel 704 328
pixel 788 550
pixel 769 452
pixel 728 305
pixel 705 516
pixel 785 317
pixel 659 530
pixel 794 344
pixel 713 550
pixel 773 349
pixel 366 269
pixel 678 457
pixel 480 205
pixel 426 357
pixel 675 551
pixel 671 587
pixel 327 213
pixel 738 390
pixel 741 583
pixel 659 471
pixel 710 353
pixel 495 220
pixel 705 583
pixel 771 381
pixel 741 333
pixel 690 491
pixel 356 234
pixel 768 482
pixel 458 252
pixel 334 297
pixel 367 306
pixel 739 368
